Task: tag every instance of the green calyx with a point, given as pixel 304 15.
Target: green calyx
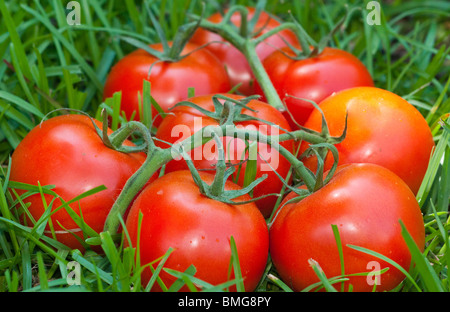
pixel 217 190
pixel 228 113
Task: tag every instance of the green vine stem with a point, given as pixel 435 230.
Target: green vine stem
pixel 248 47
pixel 157 157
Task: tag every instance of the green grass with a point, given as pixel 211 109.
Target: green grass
pixel 48 64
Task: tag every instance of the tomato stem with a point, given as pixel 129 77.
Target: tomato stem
pixel 260 73
pixel 217 187
pixel 248 47
pixel 138 180
pixel 157 157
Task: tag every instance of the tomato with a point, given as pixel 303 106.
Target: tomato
pixel 176 215
pixel 313 78
pixel 66 152
pixel 238 68
pixel 365 202
pixel 170 81
pixel 382 128
pixel 185 121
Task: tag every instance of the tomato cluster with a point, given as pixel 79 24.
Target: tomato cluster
pixel 383 145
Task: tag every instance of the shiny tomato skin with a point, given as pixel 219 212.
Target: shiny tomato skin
pixel 237 66
pixel 185 121
pixel 313 78
pixel 66 152
pixel 169 80
pixel 382 128
pixel 176 215
pixel 365 202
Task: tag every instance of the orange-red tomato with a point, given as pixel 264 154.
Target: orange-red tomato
pixel 66 152
pixel 237 66
pixel 170 81
pixel 176 215
pixel 184 121
pixel 382 128
pixel 313 78
pixel 365 202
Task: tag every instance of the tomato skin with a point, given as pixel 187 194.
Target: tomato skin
pixel 205 157
pixel 238 68
pixel 365 202
pixel 177 215
pixel 67 152
pixel 313 78
pixel 169 80
pixel 382 128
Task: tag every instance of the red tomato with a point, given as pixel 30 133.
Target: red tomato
pixel 67 152
pixel 238 68
pixel 365 202
pixel 185 121
pixel 177 215
pixel 382 128
pixel 169 80
pixel 313 78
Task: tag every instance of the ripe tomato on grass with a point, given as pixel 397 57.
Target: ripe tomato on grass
pixel 176 215
pixel 170 81
pixel 365 202
pixel 313 78
pixel 66 152
pixel 184 121
pixel 237 66
pixel 382 128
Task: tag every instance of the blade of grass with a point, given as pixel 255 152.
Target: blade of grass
pixel 180 282
pixel 75 54
pixel 426 271
pixel 92 43
pixel 103 275
pixel 27 281
pixel 445 236
pixel 236 266
pixel 135 15
pixel 15 39
pixel 43 280
pixel 12 280
pixel 340 250
pixel 440 151
pixel 321 275
pixel 104 19
pixel 15 114
pixel 279 282
pixel 158 269
pixel 21 77
pixel 384 258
